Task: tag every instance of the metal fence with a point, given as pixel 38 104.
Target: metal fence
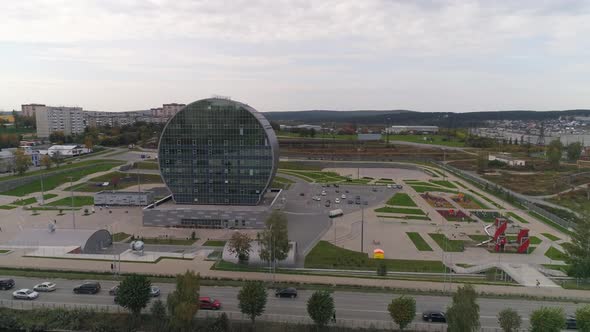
pixel 518 197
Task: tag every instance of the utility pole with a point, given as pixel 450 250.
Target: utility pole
pixel 72 197
pixel 362 228
pixel 42 191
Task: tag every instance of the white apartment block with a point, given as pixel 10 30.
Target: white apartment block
pixel 31 109
pixel 69 120
pixel 169 110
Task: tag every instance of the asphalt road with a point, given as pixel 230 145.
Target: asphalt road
pixel 351 306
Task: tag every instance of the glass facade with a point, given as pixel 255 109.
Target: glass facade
pixel 218 151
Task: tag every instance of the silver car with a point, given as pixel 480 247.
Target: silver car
pixel 25 294
pixel 45 287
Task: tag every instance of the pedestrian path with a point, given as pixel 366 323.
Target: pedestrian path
pixel 523 274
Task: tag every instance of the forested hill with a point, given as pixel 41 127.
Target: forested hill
pixel 416 118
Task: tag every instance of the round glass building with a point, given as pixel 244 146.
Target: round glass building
pixel 218 151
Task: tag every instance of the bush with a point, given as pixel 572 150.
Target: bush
pixel 547 319
pixel 382 269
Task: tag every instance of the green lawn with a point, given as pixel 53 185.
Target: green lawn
pixel 281 182
pixel 557 267
pixel 446 244
pixel 385 180
pixel 31 200
pixel 214 243
pixel 474 199
pixel 517 217
pixel 12 130
pixel 423 189
pixel 147 165
pixel 7 207
pixel 389 209
pixel 549 222
pixel 293 165
pixel 555 254
pixel 411 217
pixel 78 201
pixel 125 180
pixel 430 139
pixel 401 199
pixel 328 256
pixel 418 241
pixel 478 237
pixel 117 237
pixel 316 176
pixel 447 184
pixel 61 167
pixel 551 236
pixel 461 185
pixel 52 181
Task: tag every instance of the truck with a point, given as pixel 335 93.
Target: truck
pixel 336 213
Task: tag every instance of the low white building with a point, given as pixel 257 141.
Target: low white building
pixel 412 130
pixel 507 159
pixel 69 150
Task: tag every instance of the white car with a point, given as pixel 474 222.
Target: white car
pixel 45 287
pixel 337 201
pixel 25 294
pixel 324 193
pixel 343 196
pixel 389 186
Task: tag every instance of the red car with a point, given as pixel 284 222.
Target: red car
pixel 209 303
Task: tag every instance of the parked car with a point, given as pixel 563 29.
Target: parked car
pixel 88 287
pixel 327 203
pixel 324 193
pixel 114 290
pixel 337 200
pixel 570 322
pixel 155 291
pixel 45 287
pixel 209 303
pixel 398 186
pixel 301 194
pixel 357 201
pixel 6 283
pixel 434 316
pixel 343 196
pixel 389 186
pixel 25 294
pixel 350 201
pixel 286 292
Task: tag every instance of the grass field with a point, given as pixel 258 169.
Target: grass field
pixel 117 237
pixel 12 130
pixel 411 217
pixel 478 237
pixel 549 222
pixel 555 254
pixel 389 209
pixel 146 165
pixel 401 199
pixel 430 139
pixel 447 184
pixel 171 241
pixel 551 236
pixel 418 241
pixel 125 180
pixel 214 243
pixel 423 189
pixel 31 200
pixel 7 207
pixel 52 181
pixel 517 217
pixel 446 244
pixel 292 165
pixel 78 201
pixel 328 256
pixel 62 167
pixel 281 182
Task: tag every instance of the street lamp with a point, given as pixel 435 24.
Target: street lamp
pixel 72 199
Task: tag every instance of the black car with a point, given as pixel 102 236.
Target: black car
pixel 302 194
pixel 89 287
pixel 434 316
pixel 570 323
pixel 6 283
pixel 286 292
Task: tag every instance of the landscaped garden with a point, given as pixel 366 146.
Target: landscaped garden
pixel 115 180
pixel 447 244
pixel 401 199
pixel 78 201
pixel 418 241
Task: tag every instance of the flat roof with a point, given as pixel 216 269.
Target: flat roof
pixel 265 203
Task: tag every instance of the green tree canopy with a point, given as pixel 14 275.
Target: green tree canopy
pixel 183 303
pixel 240 244
pixel 583 318
pixel 509 320
pixel 22 161
pixel 574 151
pixel 554 151
pixel 578 250
pixel 252 299
pixel 274 240
pixel 547 319
pixel 402 310
pixel 159 318
pixel 134 293
pixel 320 307
pixel 463 314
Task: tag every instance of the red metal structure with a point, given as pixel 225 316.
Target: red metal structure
pixel 500 240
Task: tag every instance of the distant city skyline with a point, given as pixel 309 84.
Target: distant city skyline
pixel 428 56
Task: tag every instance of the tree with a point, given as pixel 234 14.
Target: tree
pixel 252 299
pixel 312 132
pixel 221 324
pixel 158 316
pixel 547 319
pixel 57 137
pixel 183 303
pixel 240 245
pixel 88 142
pixel 583 318
pixel 482 162
pixel 463 314
pixel 46 161
pixel 134 293
pixel 402 310
pixel 509 320
pixel 22 161
pixel 554 150
pixel 274 240
pixel 320 307
pixel 578 250
pixel 56 157
pixel 574 151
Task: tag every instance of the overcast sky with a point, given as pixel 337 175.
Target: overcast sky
pixel 117 55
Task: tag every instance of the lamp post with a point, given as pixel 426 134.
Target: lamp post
pixel 72 199
pixel 362 228
pixel 42 191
